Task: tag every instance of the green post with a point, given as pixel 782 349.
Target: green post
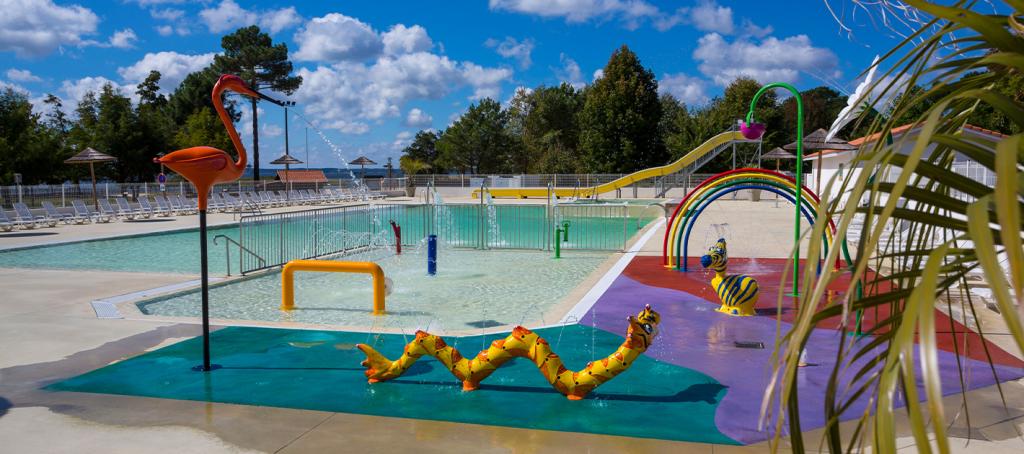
pixel 799 167
pixel 565 227
pixel 558 244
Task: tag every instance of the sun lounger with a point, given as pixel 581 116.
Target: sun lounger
pixel 81 209
pixel 7 224
pixel 22 213
pixel 53 213
pixel 126 211
pixel 107 210
pixel 148 207
pixel 163 204
pixel 188 205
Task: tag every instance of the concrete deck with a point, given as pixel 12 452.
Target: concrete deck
pixel 49 332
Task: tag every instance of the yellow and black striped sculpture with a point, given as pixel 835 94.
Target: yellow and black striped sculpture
pixel 521 343
pixel 738 293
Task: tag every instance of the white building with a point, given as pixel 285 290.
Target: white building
pixel 838 163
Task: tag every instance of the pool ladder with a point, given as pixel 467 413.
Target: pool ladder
pixel 227 252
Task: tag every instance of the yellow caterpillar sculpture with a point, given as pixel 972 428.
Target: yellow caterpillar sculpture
pixel 738 293
pixel 521 343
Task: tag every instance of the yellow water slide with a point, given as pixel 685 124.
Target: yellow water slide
pixel 628 180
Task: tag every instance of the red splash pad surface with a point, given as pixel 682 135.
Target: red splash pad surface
pixel 952 336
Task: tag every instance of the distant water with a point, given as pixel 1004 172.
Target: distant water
pixel 331 173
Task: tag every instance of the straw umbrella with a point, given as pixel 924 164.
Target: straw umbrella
pixel 362 162
pixel 288 161
pixel 817 141
pixel 778 154
pixel 91 156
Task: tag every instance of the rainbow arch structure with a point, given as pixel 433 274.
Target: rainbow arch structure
pixel 675 249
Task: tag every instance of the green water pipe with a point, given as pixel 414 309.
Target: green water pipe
pixel 558 244
pixel 565 227
pixel 799 167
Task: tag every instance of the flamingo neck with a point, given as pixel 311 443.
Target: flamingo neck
pixel 218 103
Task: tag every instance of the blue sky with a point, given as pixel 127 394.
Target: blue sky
pixel 376 72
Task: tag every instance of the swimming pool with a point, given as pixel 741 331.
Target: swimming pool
pixel 295 235
pixel 472 290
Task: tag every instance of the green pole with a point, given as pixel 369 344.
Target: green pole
pixel 799 167
pixel 558 244
pixel 565 226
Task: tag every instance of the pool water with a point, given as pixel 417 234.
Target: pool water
pixel 472 289
pixel 170 252
pixel 469 226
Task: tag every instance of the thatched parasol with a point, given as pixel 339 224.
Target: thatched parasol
pixel 816 141
pixel 288 161
pixel 91 156
pixel 362 162
pixel 777 154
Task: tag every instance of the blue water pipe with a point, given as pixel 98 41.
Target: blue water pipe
pixel 432 255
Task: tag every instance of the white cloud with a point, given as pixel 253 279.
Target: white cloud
pixel 36 28
pixel 280 19
pixel 575 11
pixel 598 73
pixel 769 60
pixel 690 90
pixel 346 95
pixel 168 14
pixel 178 23
pixel 512 48
pixel 570 72
pixel 4 85
pixel 173 67
pixel 22 75
pixel 123 39
pixel 709 16
pixel 145 3
pixel 76 90
pixel 406 40
pixel 270 130
pixel 228 15
pixel 402 140
pixel 337 37
pixel 418 118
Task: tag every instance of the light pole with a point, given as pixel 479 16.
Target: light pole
pixel 756 130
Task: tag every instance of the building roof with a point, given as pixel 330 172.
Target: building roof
pixel 898 131
pixel 302 176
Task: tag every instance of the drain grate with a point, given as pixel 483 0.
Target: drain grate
pixel 484 324
pixel 749 344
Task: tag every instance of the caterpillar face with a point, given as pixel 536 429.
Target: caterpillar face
pixel 645 325
pixel 716 258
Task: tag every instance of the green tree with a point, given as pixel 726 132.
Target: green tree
pixel 203 127
pixel 551 130
pixel 252 55
pixel 478 142
pixel 423 148
pixel 149 90
pixel 620 117
pixel 676 127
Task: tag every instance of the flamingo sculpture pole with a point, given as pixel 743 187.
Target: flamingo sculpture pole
pixel 204 167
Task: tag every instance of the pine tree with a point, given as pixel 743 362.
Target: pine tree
pixel 252 55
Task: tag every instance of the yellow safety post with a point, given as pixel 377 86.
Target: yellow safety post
pixel 330 266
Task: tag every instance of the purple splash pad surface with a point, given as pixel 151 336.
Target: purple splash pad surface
pixel 694 335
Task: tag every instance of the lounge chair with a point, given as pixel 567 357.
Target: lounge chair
pixel 230 202
pixel 54 213
pixel 126 211
pixel 22 213
pixel 148 208
pixel 107 210
pixel 268 200
pixel 7 224
pixel 81 209
pixel 163 204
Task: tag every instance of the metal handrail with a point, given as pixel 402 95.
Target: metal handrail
pixel 227 252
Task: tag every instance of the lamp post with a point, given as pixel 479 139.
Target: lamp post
pixel 757 129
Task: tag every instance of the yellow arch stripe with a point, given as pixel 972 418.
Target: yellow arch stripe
pixel 675 226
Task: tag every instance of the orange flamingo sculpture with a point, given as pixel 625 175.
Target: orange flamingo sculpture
pixel 203 167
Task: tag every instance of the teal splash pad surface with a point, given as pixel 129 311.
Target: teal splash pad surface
pixel 319 370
